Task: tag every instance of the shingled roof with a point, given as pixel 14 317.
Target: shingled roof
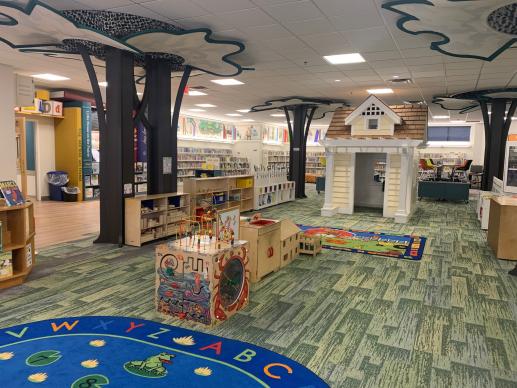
pixel 413 126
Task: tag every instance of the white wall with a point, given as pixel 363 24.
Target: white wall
pixel 7 131
pixel 45 153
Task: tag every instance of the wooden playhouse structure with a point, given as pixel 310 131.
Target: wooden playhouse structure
pixel 289 241
pixel 372 156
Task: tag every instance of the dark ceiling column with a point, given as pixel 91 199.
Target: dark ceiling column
pixel 117 146
pixel 161 167
pixel 495 144
pixel 297 160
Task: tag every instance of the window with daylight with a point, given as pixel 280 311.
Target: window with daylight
pixel 449 135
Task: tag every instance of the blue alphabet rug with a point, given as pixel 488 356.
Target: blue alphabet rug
pixel 103 352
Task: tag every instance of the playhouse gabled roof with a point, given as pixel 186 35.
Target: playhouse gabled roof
pixel 366 104
pixel 413 125
pixel 288 228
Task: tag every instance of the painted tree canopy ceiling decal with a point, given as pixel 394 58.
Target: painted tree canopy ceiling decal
pixel 32 26
pixel 469 101
pixel 479 29
pixel 323 105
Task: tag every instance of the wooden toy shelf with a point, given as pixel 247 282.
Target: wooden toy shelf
pixel 221 192
pixel 151 217
pixel 18 233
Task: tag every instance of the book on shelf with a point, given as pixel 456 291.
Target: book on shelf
pixel 11 193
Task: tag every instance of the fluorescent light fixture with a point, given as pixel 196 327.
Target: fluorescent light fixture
pixel 458 121
pixel 243 110
pixel 233 114
pixel 50 77
pixel 440 117
pixel 337 80
pixel 278 115
pixel 380 91
pixel 139 93
pixel 206 105
pixel 103 84
pixel 197 110
pixel 396 76
pixel 248 120
pixel 341 59
pixel 227 81
pixel 196 93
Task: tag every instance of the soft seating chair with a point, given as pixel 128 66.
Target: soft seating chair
pixel 426 170
pixel 461 172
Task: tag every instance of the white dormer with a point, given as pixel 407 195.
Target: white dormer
pixel 373 118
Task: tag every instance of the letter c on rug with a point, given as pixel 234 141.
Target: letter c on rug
pixel 269 374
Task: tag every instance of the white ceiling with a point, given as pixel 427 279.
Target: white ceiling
pixel 285 41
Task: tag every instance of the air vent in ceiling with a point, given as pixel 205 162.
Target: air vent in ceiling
pixel 399 81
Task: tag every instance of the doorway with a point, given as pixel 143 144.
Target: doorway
pixel 370 170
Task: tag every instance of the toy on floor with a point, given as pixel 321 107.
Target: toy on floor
pixel 310 244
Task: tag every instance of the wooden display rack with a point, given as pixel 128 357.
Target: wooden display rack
pixel 151 217
pixel 205 282
pixel 264 239
pixel 233 191
pixel 18 232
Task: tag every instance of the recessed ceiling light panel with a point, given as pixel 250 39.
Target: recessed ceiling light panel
pixel 278 115
pixel 50 77
pixel 197 110
pixel 243 110
pixel 206 105
pixel 233 114
pixel 196 93
pixel 103 84
pixel 227 81
pixel 341 59
pixel 440 117
pixel 380 91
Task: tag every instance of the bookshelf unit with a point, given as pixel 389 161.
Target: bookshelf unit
pixel 191 159
pixel 275 160
pixel 272 188
pixel 220 192
pixel 151 217
pixel 18 231
pixel 315 163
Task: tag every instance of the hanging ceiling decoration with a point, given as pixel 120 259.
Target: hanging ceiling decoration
pixel 323 105
pixel 460 28
pixel 469 101
pixel 32 26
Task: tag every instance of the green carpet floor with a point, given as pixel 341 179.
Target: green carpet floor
pixel 449 320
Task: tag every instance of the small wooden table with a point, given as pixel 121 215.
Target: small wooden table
pixel 501 227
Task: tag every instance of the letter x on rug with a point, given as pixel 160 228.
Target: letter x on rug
pixel 107 351
pixel 371 243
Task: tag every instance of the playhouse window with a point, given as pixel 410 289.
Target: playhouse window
pixel 372 123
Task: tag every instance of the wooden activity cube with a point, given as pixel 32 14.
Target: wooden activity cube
pixel 205 284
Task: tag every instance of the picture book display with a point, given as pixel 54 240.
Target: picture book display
pixel 11 193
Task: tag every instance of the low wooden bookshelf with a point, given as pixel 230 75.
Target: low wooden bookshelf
pixel 221 192
pixel 152 217
pixel 18 233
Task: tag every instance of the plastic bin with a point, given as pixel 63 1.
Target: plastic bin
pixel 70 194
pixel 56 181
